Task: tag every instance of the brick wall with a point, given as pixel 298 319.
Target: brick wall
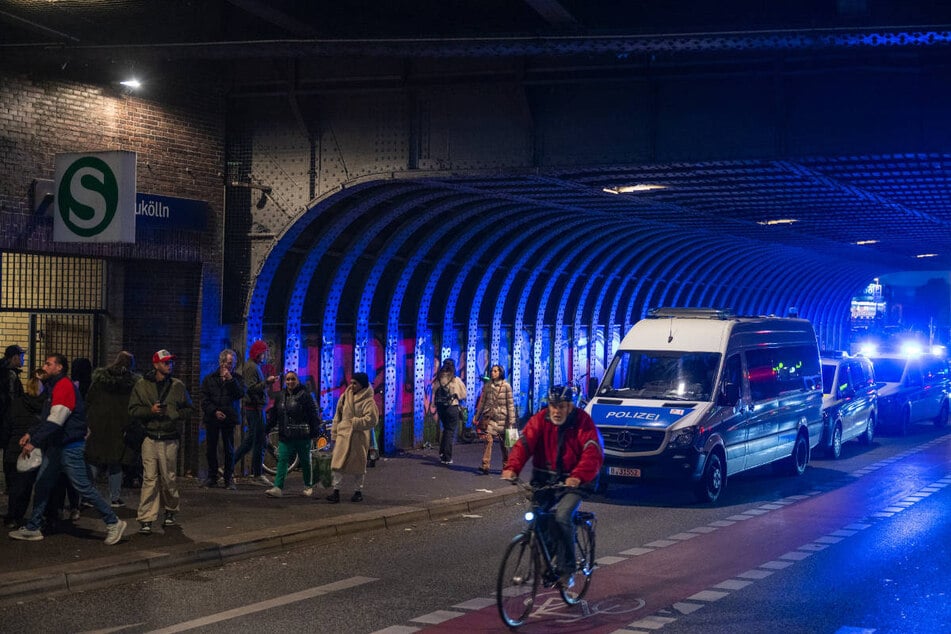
pixel 165 290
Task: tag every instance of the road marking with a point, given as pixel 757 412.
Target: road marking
pixel 303 595
pixel 437 617
pixel 110 630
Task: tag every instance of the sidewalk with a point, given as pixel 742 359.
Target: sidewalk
pixel 217 525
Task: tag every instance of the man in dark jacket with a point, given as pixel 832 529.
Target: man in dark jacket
pixel 61 434
pixel 11 389
pixel 221 394
pixel 254 405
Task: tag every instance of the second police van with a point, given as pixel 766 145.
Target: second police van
pixel 694 395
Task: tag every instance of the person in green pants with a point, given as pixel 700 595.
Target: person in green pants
pixel 295 415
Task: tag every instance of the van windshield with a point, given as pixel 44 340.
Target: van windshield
pixel 889 369
pixel 684 376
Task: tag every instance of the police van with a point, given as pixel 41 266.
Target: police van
pixel 693 395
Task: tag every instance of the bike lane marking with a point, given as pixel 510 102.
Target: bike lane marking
pixel 720 557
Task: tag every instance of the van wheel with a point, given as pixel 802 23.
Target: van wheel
pixel 942 419
pixel 797 460
pixel 710 486
pixel 869 434
pixel 835 448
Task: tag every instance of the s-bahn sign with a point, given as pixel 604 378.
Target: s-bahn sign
pixel 94 197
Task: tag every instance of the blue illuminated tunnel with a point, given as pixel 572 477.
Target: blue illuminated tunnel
pixel 423 269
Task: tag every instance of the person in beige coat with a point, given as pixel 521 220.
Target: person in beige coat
pixel 496 414
pixel 354 420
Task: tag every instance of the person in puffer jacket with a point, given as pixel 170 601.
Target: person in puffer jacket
pixel 295 415
pixel 496 414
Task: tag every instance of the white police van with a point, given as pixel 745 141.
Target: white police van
pixel 693 395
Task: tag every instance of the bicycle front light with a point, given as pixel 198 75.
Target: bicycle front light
pixel 529 516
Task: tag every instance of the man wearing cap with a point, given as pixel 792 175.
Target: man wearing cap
pixel 10 390
pixel 254 405
pixel 161 404
pixel 61 434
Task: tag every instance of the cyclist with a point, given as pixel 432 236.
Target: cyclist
pixel 565 447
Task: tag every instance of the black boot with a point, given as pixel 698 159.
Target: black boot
pixel 334 497
pixel 357 497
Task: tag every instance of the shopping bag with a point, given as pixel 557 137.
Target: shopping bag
pixel 320 467
pixel 511 436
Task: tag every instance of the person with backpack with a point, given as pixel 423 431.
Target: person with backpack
pixel 449 392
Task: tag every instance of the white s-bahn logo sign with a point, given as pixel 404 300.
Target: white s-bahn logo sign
pixel 95 197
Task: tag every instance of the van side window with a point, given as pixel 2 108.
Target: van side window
pixel 772 371
pixel 914 375
pixel 731 386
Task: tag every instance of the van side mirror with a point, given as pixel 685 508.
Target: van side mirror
pixel 729 395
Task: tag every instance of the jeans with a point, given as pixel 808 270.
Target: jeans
pixel 449 417
pixel 226 433
pixel 255 438
pixel 71 460
pixel 565 511
pixel 115 478
pixel 286 450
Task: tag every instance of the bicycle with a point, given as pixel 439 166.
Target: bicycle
pixel 528 564
pixel 270 449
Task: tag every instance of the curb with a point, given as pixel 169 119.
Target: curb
pixel 145 563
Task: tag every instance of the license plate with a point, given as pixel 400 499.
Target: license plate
pixel 624 472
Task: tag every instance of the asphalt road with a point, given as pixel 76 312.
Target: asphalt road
pixel 854 546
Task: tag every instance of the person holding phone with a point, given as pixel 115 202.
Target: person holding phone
pixel 162 404
pixel 221 394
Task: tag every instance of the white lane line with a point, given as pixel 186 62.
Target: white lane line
pixel 683 536
pixel 660 543
pixel 732 584
pixel 397 629
pixel 755 573
pixel 437 617
pixel 475 604
pixel 687 608
pixel 608 560
pixel 708 595
pixel 652 622
pixel 637 551
pixel 303 595
pixel 703 529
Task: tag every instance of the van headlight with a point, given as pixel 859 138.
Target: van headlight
pixel 684 437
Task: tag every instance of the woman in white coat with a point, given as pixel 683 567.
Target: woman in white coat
pixel 354 420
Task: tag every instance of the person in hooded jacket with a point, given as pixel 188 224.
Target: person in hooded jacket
pixel 354 420
pixel 295 415
pixel 107 410
pixel 254 406
pixel 25 411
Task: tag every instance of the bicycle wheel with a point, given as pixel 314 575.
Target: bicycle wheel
pixel 270 454
pixel 518 581
pixel 584 558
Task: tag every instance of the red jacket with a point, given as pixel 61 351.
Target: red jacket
pixel 583 453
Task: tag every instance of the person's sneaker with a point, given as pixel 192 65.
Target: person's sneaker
pixel 334 497
pixel 308 492
pixel 209 484
pixel 356 497
pixel 484 471
pixel 74 515
pixel 231 486
pixel 262 479
pixel 169 519
pixel 25 534
pixel 448 462
pixel 145 528
pixel 274 492
pixel 117 504
pixel 114 532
